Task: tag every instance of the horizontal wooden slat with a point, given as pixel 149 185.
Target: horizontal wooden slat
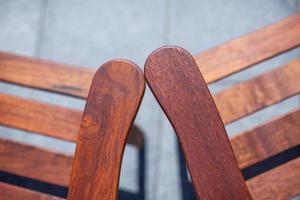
pixel 252 95
pixel 267 140
pixel 249 148
pixel 280 183
pixel 240 53
pixel 47 119
pixel 28 115
pixel 45 75
pixel 35 163
pixel 11 192
pixel 49 76
pixel 63 123
pixel 215 63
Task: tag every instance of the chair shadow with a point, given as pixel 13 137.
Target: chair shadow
pixel 186 186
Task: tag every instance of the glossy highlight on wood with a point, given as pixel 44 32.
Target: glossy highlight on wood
pixel 45 75
pixel 48 119
pixel 179 87
pixel 112 104
pixel 259 92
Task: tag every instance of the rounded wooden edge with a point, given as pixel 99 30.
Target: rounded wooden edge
pixel 133 77
pixel 162 49
pixel 137 133
pixel 107 65
pixel 158 62
pixel 148 68
pixel 119 60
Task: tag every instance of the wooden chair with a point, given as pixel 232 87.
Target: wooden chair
pixel 111 106
pixel 174 77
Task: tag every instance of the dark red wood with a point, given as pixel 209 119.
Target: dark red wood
pixel 52 77
pixel 179 87
pixel 112 104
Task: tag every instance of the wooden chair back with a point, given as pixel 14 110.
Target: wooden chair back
pixel 41 164
pixel 171 70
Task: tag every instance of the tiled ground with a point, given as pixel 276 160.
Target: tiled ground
pixel 88 33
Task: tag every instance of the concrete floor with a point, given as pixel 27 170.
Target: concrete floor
pixel 88 33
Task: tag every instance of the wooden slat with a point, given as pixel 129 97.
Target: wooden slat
pixel 35 163
pixel 45 75
pixel 252 95
pixel 47 119
pixel 112 104
pixel 249 148
pixel 280 183
pixel 176 82
pixel 267 140
pixel 215 63
pixel 49 76
pixel 240 53
pixel 28 115
pixel 11 192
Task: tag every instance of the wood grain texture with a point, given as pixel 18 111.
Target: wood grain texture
pixel 33 116
pixel 179 87
pixel 215 63
pixel 267 140
pixel 11 192
pixel 262 91
pixel 240 53
pixel 40 74
pixel 280 183
pixel 112 104
pixel 32 162
pixel 249 148
pixel 47 119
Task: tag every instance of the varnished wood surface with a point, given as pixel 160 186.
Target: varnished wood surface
pixel 11 192
pixel 240 53
pixel 259 92
pixel 13 64
pixel 112 104
pixel 36 163
pixel 280 183
pixel 215 63
pixel 178 85
pixel 251 95
pixel 268 139
pixel 45 75
pixel 249 148
pixel 47 119
pixel 33 116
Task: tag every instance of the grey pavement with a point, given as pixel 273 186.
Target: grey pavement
pixel 88 33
